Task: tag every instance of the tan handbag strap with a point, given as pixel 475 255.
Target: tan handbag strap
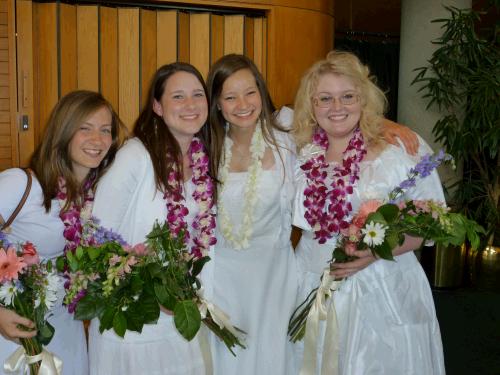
pixel 21 202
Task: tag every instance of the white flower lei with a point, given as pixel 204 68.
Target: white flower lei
pixel 257 148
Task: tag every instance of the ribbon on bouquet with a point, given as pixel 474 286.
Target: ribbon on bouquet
pixel 19 361
pixel 318 312
pixel 218 316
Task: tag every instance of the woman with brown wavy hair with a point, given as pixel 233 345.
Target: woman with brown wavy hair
pixel 162 174
pixel 81 138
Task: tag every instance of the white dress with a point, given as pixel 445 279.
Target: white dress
pixel 127 202
pixel 45 231
pixel 257 286
pixel 386 318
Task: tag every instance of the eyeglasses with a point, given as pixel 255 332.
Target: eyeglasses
pixel 325 101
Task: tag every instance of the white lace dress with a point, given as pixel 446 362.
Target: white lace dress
pixel 257 286
pixel 386 318
pixel 45 231
pixel 127 202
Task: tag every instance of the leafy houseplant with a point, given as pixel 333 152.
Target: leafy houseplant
pixel 462 79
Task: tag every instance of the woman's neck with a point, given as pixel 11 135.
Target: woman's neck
pixel 241 137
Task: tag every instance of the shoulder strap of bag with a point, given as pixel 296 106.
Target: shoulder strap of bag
pixel 21 202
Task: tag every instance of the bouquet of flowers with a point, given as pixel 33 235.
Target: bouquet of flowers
pixel 381 227
pixel 29 287
pixel 124 286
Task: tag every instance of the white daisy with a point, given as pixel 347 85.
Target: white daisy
pixel 374 234
pixel 7 292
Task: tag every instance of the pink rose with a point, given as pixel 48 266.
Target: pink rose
pixel 30 255
pixel 350 248
pixel 366 208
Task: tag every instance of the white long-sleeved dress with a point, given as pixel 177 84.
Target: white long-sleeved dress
pixel 386 318
pixel 128 202
pixel 45 231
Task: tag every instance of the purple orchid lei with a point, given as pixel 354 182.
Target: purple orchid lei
pixel 72 217
pixel 326 223
pixel 204 221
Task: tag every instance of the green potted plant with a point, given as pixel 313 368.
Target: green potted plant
pixel 462 79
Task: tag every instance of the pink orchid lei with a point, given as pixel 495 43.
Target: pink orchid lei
pixel 76 215
pixel 326 223
pixel 204 221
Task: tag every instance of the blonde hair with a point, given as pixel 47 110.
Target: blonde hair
pixel 373 100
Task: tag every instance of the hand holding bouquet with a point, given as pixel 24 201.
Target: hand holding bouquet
pixel 29 288
pixel 124 286
pixel 381 227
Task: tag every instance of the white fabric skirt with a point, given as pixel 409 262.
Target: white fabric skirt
pixel 158 350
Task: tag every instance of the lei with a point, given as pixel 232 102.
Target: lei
pixel 257 148
pixel 76 215
pixel 204 222
pixel 326 222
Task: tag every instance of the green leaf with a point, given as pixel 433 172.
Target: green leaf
pixel 45 332
pixel 120 323
pixel 164 297
pixel 93 252
pixel 384 251
pixel 106 319
pixel 187 319
pixel 86 309
pixel 61 263
pixel 79 252
pixel 376 217
pixel 149 307
pixel 389 211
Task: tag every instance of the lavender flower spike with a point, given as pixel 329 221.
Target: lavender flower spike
pixel 423 169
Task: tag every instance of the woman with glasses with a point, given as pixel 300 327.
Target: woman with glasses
pixel 255 267
pixel 386 321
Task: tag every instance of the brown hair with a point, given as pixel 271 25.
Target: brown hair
pixel 373 100
pixel 219 72
pixel 150 128
pixel 52 159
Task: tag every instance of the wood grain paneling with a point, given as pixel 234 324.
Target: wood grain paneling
pixel 68 48
pixel 199 42
pixel 108 63
pixel 128 65
pixel 259 44
pixel 234 38
pixel 148 51
pixel 166 48
pixel 216 37
pixel 249 37
pixel 87 47
pixel 183 37
pixel 45 63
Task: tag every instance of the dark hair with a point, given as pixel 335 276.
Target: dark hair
pixel 150 128
pixel 219 73
pixel 52 158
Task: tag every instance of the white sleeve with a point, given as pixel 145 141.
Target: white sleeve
pixel 12 186
pixel 116 188
pixel 285 117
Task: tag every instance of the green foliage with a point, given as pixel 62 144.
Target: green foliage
pixel 462 80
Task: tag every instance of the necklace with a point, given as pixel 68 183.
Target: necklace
pixel 76 215
pixel 204 221
pixel 326 222
pixel 240 240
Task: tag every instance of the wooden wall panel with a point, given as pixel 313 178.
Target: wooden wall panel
pixel 166 48
pixel 259 44
pixel 199 42
pixel 45 63
pixel 108 63
pixel 8 138
pixel 128 65
pixel 249 37
pixel 68 48
pixel 234 38
pixel 88 47
pixel 216 37
pixel 148 51
pixel 183 37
